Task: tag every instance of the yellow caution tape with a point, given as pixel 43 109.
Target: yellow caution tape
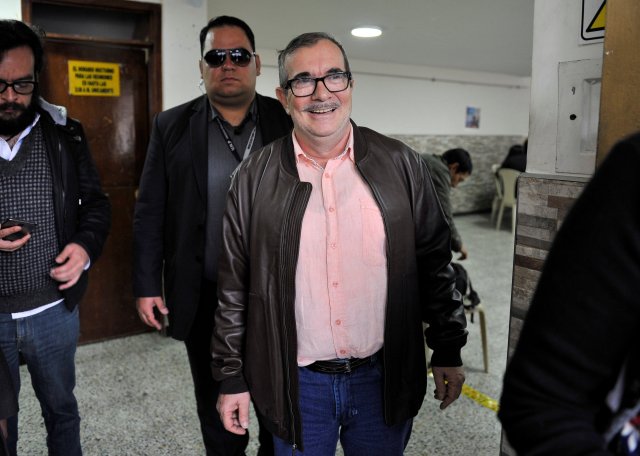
pixel 480 398
pixel 477 396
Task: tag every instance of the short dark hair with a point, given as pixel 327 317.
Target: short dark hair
pixel 230 21
pixel 305 40
pixel 15 34
pixel 461 157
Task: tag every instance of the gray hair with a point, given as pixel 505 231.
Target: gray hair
pixel 305 40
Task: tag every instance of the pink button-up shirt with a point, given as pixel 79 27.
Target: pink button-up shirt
pixel 341 276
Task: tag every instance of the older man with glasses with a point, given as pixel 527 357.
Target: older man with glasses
pixel 335 251
pixel 193 150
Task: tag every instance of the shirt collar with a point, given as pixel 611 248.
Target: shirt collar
pixel 301 156
pixel 9 153
pixel 252 113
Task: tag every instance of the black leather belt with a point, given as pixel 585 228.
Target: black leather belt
pixel 340 366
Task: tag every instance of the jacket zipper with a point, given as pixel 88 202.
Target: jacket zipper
pixel 296 213
pixel 62 186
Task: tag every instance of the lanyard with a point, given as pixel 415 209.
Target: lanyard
pixel 230 144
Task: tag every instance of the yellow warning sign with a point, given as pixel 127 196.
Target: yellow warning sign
pixel 597 23
pixel 594 15
pixel 94 79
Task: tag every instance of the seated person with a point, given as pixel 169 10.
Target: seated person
pixel 447 171
pixel 516 158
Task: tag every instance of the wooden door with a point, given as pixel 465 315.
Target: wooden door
pixel 117 129
pixel 619 107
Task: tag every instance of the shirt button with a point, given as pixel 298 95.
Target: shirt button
pixel 343 352
pixel 338 322
pixel 331 209
pixel 335 284
pixel 333 245
pixel 327 176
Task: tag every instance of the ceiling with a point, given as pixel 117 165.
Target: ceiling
pixel 477 35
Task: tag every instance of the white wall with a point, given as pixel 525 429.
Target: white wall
pixel 556 33
pixel 405 99
pixel 181 24
pixel 11 9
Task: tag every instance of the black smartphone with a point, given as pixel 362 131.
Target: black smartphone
pixel 27 227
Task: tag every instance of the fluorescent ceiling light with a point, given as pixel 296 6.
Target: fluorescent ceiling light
pixel 366 32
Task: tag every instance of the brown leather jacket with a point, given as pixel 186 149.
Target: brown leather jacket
pixel 254 343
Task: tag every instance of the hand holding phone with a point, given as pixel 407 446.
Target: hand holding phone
pixel 26 228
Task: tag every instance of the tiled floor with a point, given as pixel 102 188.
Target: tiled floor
pixel 135 393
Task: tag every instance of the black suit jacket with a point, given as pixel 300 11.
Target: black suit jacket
pixel 169 221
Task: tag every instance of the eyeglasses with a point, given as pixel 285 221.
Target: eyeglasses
pixel 239 56
pixel 19 87
pixel 334 82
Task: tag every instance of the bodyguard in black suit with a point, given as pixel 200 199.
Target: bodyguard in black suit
pixel 193 150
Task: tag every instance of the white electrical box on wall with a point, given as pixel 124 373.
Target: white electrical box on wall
pixel 579 84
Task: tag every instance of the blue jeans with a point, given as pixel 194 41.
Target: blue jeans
pixel 349 407
pixel 47 343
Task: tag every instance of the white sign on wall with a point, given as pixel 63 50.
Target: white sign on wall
pixel 594 14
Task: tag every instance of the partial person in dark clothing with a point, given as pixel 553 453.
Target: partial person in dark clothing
pixel 8 403
pixel 516 158
pixel 447 171
pixel 193 151
pixel 574 380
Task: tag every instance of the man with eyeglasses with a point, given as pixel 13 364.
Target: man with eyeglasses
pixel 193 150
pixel 335 251
pixel 54 220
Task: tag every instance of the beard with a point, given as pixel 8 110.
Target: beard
pixel 13 126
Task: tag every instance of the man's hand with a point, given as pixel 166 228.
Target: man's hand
pixel 234 412
pixel 72 260
pixel 145 308
pixel 449 381
pixel 463 253
pixel 12 246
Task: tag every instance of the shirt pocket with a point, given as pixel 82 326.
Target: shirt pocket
pixel 373 236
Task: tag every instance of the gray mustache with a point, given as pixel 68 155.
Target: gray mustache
pixel 321 106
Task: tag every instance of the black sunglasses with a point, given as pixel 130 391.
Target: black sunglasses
pixel 239 56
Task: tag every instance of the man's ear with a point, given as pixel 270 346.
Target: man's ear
pixel 281 94
pixel 453 168
pixel 258 65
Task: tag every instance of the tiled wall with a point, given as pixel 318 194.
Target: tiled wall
pixel 475 194
pixel 543 203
